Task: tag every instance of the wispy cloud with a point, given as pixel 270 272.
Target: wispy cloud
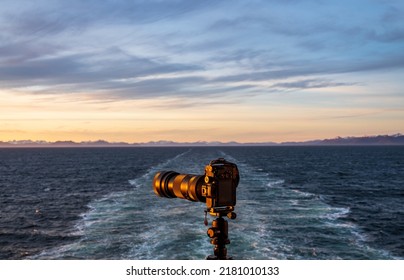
pixel 309 84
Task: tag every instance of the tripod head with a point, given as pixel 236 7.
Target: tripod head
pixel 219 237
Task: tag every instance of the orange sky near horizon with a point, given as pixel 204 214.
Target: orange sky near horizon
pixel 38 117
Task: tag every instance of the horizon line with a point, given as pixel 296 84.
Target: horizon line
pixel 347 140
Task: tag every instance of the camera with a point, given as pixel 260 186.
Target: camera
pixel 216 188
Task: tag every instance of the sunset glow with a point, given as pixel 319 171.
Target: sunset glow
pixel 241 71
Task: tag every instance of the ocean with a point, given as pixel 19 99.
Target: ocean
pixel 319 202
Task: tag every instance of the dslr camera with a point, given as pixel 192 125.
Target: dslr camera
pixel 216 188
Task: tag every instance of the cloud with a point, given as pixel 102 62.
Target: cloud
pixel 309 84
pixel 191 48
pixel 44 18
pixel 19 53
pixel 77 70
pixel 305 68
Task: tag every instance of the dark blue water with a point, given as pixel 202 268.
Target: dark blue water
pixel 292 203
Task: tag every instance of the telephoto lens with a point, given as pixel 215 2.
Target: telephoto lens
pixel 171 184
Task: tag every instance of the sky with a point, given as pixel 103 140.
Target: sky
pixel 181 70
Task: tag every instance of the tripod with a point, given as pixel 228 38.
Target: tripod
pixel 219 233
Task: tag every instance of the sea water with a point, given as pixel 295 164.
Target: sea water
pixel 292 203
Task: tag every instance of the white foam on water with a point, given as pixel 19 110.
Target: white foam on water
pixel 337 213
pixel 275 182
pixel 134 182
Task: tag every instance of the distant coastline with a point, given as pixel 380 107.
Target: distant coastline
pixel 396 139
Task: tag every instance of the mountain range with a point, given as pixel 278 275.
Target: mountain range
pixel 396 139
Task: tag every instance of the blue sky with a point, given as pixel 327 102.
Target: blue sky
pixel 200 70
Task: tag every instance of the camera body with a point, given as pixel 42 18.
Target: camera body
pixel 217 187
pixel 221 180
